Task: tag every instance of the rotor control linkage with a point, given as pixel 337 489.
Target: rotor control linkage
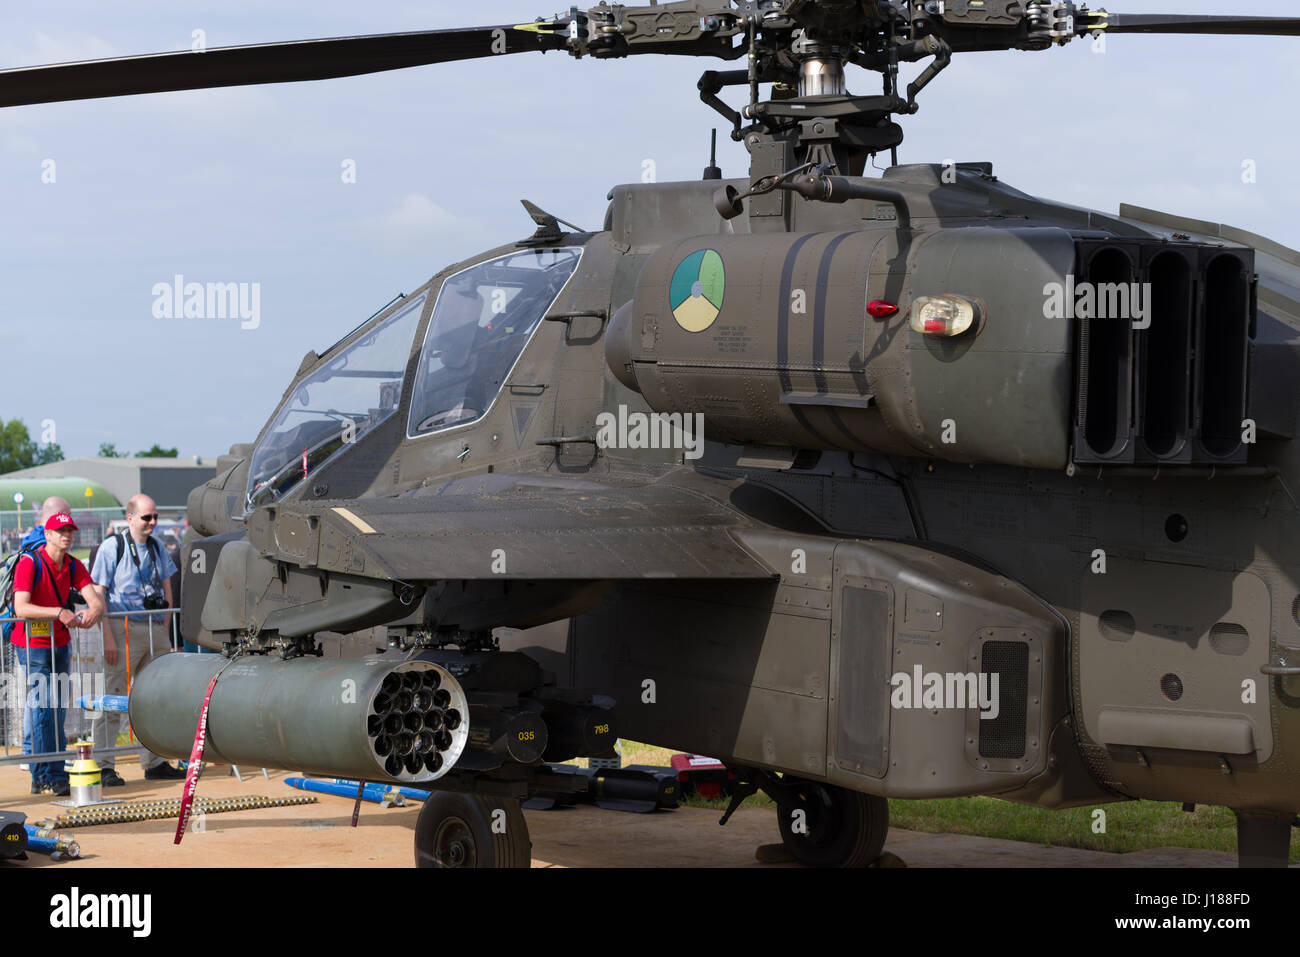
pixel 926 46
pixel 815 185
pixel 711 84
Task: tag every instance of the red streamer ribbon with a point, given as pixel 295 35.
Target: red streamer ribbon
pixel 195 767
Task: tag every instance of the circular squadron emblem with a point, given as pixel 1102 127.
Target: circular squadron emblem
pixel 695 293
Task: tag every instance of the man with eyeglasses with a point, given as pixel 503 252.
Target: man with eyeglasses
pixel 133 572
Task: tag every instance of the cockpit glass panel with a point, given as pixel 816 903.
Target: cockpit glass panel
pixel 339 403
pixel 483 318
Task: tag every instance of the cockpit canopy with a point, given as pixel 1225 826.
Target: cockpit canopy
pixel 483 318
pixel 339 403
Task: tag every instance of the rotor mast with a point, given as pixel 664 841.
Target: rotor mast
pixel 821 66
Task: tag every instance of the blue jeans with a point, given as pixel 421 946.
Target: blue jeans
pixel 46 709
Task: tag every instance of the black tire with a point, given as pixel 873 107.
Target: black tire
pixel 841 828
pixel 456 830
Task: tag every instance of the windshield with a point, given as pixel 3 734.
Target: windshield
pixel 337 404
pixel 482 321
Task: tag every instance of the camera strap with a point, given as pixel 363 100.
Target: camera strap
pixel 66 600
pixel 135 558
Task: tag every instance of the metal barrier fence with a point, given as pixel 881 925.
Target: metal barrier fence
pixel 86 676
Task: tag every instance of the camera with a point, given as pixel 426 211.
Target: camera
pixel 153 601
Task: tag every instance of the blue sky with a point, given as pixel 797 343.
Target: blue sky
pixel 244 185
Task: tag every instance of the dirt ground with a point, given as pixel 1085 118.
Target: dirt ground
pixel 319 835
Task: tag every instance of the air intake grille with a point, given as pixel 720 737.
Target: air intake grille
pixel 1004 736
pixel 1173 392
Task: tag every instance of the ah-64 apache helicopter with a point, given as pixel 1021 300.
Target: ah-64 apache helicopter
pixel 996 497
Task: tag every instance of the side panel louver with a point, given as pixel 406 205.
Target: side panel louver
pixel 1163 347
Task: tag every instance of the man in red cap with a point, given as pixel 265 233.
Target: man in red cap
pixel 43 598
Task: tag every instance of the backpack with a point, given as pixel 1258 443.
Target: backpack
pixel 7 582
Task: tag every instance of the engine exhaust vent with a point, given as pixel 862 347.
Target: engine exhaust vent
pixel 1165 353
pixel 1227 310
pixel 1163 332
pixel 1104 426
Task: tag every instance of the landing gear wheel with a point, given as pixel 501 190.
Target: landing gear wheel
pixel 837 827
pixel 462 830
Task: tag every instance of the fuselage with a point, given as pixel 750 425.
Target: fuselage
pixel 1105 464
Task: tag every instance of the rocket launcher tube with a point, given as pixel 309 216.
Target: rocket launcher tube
pixel 312 714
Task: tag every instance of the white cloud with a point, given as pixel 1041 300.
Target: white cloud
pixel 418 220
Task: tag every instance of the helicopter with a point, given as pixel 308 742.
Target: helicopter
pixel 993 497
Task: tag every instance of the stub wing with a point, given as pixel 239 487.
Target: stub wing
pixel 522 531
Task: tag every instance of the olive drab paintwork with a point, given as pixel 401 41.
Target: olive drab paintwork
pixel 1054 557
pixel 792 671
pixel 799 362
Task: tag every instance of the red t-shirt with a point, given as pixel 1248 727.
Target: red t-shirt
pixel 50 592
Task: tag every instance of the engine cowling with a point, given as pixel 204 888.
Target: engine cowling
pixel 769 337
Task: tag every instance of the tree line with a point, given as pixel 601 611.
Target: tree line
pixel 19 451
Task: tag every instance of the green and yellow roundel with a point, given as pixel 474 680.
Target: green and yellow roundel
pixel 695 294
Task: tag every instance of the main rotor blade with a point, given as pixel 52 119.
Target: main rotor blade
pixel 1163 23
pixel 269 63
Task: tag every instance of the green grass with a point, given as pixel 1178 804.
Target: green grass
pixel 1130 825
